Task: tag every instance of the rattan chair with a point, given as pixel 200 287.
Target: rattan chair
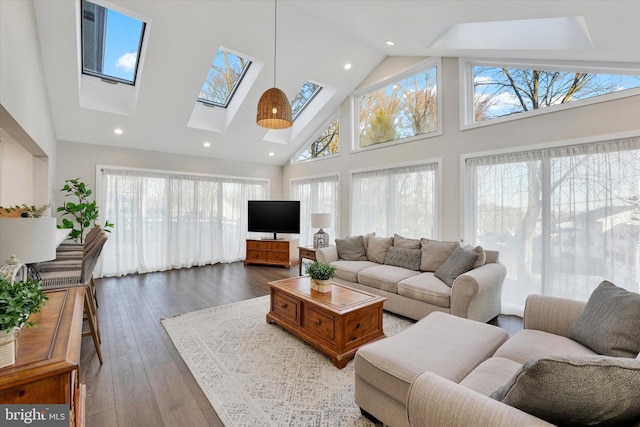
pixel 71 276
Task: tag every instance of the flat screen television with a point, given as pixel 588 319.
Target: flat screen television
pixel 274 216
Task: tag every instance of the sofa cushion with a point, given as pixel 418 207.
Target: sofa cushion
pixel 460 261
pixel 432 344
pixel 482 255
pixel 610 322
pixel 351 249
pixel 490 375
pixel 576 391
pixel 348 270
pixel 384 277
pixel 426 287
pixel 403 242
pixel 528 343
pixel 405 258
pixel 434 253
pixel 377 248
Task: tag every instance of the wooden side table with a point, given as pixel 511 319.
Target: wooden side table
pixel 306 252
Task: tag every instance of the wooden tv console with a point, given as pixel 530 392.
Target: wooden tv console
pixel 282 253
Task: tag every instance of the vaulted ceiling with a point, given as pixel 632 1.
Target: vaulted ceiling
pixel 315 40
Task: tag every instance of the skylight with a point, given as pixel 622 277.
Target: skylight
pixel 223 78
pixel 111 43
pixel 303 98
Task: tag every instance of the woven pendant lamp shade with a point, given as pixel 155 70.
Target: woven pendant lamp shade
pixel 274 110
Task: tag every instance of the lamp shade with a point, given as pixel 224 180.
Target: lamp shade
pixel 320 220
pixel 274 110
pixel 31 240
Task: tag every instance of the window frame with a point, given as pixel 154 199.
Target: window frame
pixel 104 77
pixel 466 76
pixel 235 87
pixel 308 101
pixel 294 160
pixel 355 110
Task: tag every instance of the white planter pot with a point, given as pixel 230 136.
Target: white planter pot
pixel 8 347
pixel 322 286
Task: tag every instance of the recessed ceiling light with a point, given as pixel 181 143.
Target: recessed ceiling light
pixel 117 131
pixel 271 154
pixel 347 66
pixel 207 144
pixel 390 43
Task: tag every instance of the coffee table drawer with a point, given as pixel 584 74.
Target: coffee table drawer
pixel 361 324
pixel 319 323
pixel 285 307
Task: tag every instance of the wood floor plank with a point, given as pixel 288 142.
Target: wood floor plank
pixel 144 381
pixel 177 404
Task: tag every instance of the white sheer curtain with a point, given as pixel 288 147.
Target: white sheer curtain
pixel 564 219
pixel 400 200
pixel 317 195
pixel 167 220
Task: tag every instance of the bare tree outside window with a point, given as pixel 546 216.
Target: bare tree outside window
pixel 326 144
pixel 223 78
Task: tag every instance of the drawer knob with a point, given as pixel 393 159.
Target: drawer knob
pixel 21 393
pixel 285 305
pixel 353 338
pixel 317 322
pixel 357 325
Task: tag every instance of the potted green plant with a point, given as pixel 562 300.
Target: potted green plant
pixel 321 274
pixel 18 301
pixel 84 212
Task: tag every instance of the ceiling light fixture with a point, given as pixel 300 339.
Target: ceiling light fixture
pixel 390 43
pixel 117 131
pixel 347 66
pixel 274 109
pixel 207 144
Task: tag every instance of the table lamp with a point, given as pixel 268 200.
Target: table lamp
pixel 320 220
pixel 24 242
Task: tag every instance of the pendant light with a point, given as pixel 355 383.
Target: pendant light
pixel 274 109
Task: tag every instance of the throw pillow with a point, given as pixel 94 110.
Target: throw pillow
pixel 460 261
pixel 402 257
pixel 610 322
pixel 351 249
pixel 576 391
pixel 377 249
pixel 434 253
pixel 482 256
pixel 403 242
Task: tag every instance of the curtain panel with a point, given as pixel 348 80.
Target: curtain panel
pixel 317 195
pixel 166 220
pixel 401 200
pixel 564 219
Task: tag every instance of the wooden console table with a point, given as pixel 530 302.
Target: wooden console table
pixel 46 368
pixel 336 323
pixel 272 252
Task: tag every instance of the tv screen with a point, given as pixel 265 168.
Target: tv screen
pixel 274 216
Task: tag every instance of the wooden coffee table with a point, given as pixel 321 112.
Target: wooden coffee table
pixel 336 322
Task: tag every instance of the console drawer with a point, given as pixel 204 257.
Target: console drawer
pixel 285 307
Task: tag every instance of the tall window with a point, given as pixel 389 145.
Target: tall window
pixel 111 43
pixel 326 144
pixel 563 219
pixel 400 200
pixel 317 195
pixel 505 91
pixel 401 109
pixel 165 220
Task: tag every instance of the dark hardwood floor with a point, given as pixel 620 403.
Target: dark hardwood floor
pixel 144 381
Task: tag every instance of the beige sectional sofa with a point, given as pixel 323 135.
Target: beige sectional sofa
pixel 449 371
pixel 406 271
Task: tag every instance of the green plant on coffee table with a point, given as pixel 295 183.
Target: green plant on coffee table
pixel 84 212
pixel 321 271
pixel 18 300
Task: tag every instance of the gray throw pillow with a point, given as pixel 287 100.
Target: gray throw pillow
pixel 405 258
pixel 377 248
pixel 576 391
pixel 460 261
pixel 610 322
pixel 434 253
pixel 351 249
pixel 403 242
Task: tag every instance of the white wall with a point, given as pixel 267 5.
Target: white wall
pixel 590 121
pixel 77 160
pixel 25 113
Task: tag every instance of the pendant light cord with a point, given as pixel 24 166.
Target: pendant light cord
pixel 275 40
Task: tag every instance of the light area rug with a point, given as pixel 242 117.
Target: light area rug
pixel 258 374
